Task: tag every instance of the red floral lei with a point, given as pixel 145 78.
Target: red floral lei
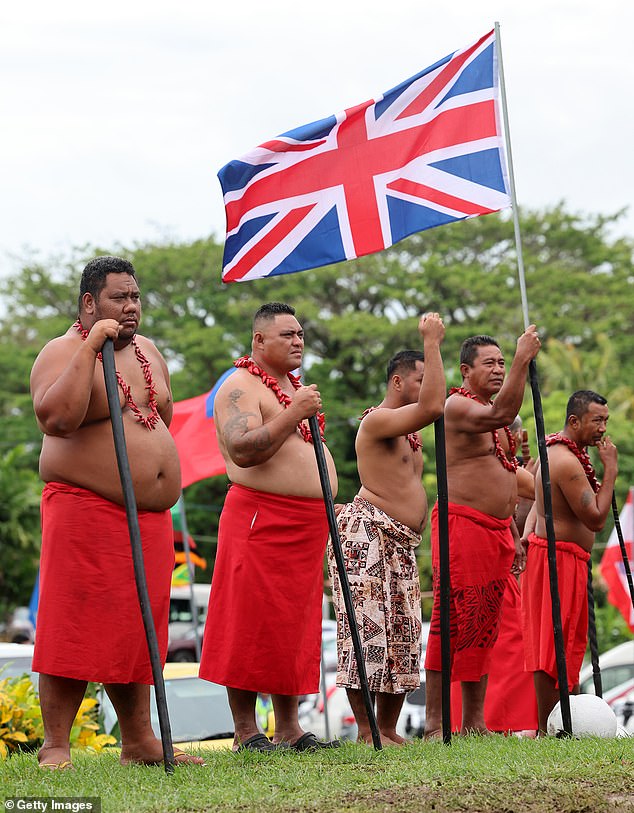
pixel 149 421
pixel 582 456
pixel 413 437
pixel 247 363
pixel 509 465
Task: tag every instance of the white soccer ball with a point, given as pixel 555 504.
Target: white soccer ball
pixel 591 717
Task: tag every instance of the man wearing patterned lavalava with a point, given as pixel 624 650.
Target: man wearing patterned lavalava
pixel 483 542
pixel 379 532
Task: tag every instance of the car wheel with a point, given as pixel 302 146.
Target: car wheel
pixel 183 656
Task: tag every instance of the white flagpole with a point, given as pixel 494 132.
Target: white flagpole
pixel 560 654
pixel 509 154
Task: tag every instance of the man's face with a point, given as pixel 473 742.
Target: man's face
pixel 410 383
pixel 281 342
pixel 120 300
pixel 488 370
pixel 590 428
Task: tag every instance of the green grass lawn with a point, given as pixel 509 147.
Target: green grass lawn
pixel 472 774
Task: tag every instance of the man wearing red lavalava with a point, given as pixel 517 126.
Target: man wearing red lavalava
pixel 263 629
pixel 580 508
pixel 89 625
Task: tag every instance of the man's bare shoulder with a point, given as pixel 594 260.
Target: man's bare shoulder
pixel 58 347
pixel 239 384
pixel 563 464
pixel 457 405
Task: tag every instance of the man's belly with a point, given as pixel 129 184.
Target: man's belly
pixel 88 459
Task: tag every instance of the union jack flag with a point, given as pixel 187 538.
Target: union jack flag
pixel 427 152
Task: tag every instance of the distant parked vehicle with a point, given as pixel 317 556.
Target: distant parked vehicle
pixel 16 660
pixel 616 665
pixel 20 629
pixel 180 618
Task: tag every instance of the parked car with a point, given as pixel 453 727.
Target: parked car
pixel 616 665
pixel 199 711
pixel 15 660
pixel 183 649
pixel 20 629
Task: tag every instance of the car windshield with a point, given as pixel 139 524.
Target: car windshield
pixel 198 710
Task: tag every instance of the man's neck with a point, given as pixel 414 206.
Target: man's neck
pixel 485 397
pixel 280 374
pixel 571 436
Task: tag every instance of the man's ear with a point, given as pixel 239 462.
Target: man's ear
pixel 574 421
pixel 258 338
pixel 88 303
pixel 464 370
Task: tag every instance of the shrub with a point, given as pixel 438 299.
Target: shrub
pixel 21 725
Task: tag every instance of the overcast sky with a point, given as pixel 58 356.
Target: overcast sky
pixel 117 116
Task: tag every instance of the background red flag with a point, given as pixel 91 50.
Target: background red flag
pixel 612 567
pixel 194 433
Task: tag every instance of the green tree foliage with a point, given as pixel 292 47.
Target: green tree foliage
pixel 580 291
pixel 19 528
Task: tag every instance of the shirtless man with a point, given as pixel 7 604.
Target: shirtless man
pixel 379 533
pixel 483 543
pixel 263 629
pixel 89 625
pixel 580 509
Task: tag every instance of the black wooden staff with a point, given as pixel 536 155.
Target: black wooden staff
pixel 445 580
pixel 592 637
pixel 619 533
pixel 560 654
pixel 343 579
pixel 112 389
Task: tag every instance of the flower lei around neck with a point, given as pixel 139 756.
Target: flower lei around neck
pixel 247 363
pixel 509 465
pixel 149 421
pixel 413 438
pixel 582 456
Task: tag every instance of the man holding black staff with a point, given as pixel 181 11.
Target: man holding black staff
pixel 89 625
pixel 267 584
pixel 484 545
pixel 380 530
pixel 580 509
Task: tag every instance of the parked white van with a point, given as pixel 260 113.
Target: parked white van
pixel 181 620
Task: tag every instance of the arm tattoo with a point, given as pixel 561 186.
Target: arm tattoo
pixel 236 427
pixel 587 498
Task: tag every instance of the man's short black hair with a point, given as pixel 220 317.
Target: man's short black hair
pixel 469 349
pixel 93 278
pixel 269 311
pixel 403 361
pixel 579 402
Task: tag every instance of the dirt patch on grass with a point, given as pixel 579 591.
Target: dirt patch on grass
pixel 525 797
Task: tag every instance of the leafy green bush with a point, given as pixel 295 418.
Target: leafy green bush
pixel 21 725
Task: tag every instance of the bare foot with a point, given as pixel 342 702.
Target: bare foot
pixel 367 740
pixel 434 734
pixel 394 738
pixel 54 759
pixel 154 756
